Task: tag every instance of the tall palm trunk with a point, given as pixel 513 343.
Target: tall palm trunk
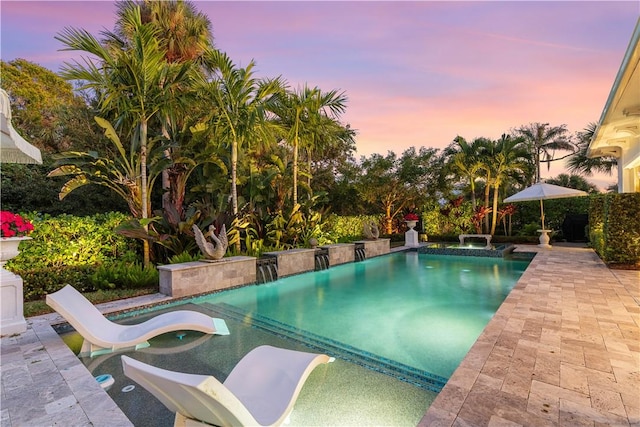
pixel 487 190
pixel 234 176
pixel 234 186
pixel 295 161
pixel 309 170
pixel 472 184
pixel 537 159
pixel 166 183
pixel 143 190
pixel 494 213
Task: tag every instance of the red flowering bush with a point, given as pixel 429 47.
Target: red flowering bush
pixel 411 217
pixel 13 225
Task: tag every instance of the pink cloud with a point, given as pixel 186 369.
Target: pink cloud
pixel 415 73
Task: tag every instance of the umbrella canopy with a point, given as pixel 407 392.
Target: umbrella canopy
pixel 543 191
pixel 13 147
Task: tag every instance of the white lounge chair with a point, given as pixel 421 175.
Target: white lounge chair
pixel 260 390
pixel 103 336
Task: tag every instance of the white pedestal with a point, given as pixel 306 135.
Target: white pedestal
pixel 11 304
pixel 411 238
pixel 544 238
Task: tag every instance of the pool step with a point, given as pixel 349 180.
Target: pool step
pixel 409 374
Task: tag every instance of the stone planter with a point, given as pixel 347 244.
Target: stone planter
pixel 11 289
pixel 294 261
pixel 9 248
pixel 373 248
pixel 194 278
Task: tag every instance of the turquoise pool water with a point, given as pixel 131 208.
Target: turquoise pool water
pixel 415 310
pixel 398 324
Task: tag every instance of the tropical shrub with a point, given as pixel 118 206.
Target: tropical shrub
pixel 37 282
pixel 123 275
pixel 530 229
pixel 67 249
pixel 184 257
pixel 295 228
pixel 26 188
pixel 348 228
pixel 452 218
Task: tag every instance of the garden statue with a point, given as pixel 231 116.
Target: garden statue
pixel 210 250
pixel 370 230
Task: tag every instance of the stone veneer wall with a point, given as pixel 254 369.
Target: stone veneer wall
pixel 341 253
pixel 193 278
pixel 376 247
pixel 294 261
pixel 498 252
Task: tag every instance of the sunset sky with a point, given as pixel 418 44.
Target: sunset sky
pixel 415 73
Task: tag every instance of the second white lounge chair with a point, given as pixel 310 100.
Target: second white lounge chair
pixel 102 335
pixel 260 390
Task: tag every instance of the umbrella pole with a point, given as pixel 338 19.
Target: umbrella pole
pixel 542 214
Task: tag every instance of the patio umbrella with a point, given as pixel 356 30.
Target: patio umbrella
pixel 543 191
pixel 13 147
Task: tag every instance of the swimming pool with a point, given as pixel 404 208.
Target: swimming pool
pixel 399 325
pixel 421 311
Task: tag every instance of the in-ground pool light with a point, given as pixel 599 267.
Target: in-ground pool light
pixel 105 381
pixel 128 388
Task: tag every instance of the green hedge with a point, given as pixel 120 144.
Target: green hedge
pixel 68 250
pixel 614 228
pixel 596 223
pixel 349 228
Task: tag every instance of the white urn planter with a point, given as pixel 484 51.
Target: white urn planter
pixel 411 236
pixel 9 248
pixel 11 290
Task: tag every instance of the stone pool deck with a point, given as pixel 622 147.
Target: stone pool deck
pixel 563 349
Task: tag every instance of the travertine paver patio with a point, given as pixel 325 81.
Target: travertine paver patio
pixel 563 349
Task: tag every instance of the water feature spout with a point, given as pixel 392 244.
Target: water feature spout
pixel 321 259
pixel 266 269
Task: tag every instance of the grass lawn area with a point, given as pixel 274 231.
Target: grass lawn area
pixel 36 308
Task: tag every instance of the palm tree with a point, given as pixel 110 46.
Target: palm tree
pixel 120 173
pixel 543 141
pixel 510 159
pixel 132 80
pixel 487 150
pixel 465 160
pixel 323 127
pixel 573 181
pixel 292 111
pixel 242 104
pixel 184 35
pixel 297 111
pixel 580 163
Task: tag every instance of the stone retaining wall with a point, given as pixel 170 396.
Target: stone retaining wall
pixel 193 278
pixel 373 248
pixel 294 261
pixel 341 253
